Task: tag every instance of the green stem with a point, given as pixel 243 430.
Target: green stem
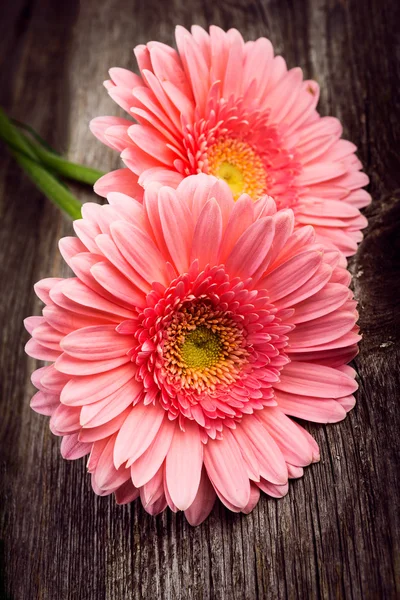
pixel 52 188
pixel 34 134
pixel 66 168
pixel 26 156
pixel 37 150
pixel 12 137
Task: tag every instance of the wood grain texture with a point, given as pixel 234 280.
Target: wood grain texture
pixel 336 534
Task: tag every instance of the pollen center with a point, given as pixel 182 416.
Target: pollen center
pixel 201 348
pixel 239 165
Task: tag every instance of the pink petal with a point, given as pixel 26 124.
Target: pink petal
pixel 248 453
pixel 98 491
pixel 52 380
pixel 284 224
pixel 72 448
pixel 125 78
pixel 177 227
pixel 42 288
pixel 107 477
pixel 122 180
pixel 312 174
pixel 96 452
pixel 196 70
pixel 310 441
pixel 118 138
pixel 65 419
pixel 276 491
pixel 292 274
pixel 70 246
pixel 139 161
pixel 47 336
pixel 94 434
pixel 308 379
pixel 310 409
pixel 153 489
pixel 167 67
pixel 153 109
pixel 269 457
pixel 99 342
pixel 111 280
pixel 30 323
pixel 183 465
pixel 234 66
pixel 284 95
pixel 80 294
pixel 37 376
pixel 126 493
pixel 117 259
pixel 99 126
pixel 137 432
pixel 251 248
pixel 85 390
pixel 203 503
pixel 254 498
pixel 290 440
pixel 36 350
pixel 241 217
pixel 358 198
pixel 45 403
pixel 307 290
pixel 226 469
pixel 327 300
pixel 127 207
pixel 322 330
pixel 147 465
pixel 295 472
pixel 66 321
pixel 156 507
pixel 101 412
pixel 140 252
pixel 162 175
pixel 207 235
pixel 75 366
pixel 348 402
pixel 152 143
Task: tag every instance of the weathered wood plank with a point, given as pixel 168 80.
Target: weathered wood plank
pixel 336 534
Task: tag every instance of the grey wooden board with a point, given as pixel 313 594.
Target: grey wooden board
pixel 336 534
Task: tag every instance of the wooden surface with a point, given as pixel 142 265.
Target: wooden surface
pixel 336 534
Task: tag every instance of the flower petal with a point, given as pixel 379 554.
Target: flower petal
pixel 137 432
pixel 309 379
pixel 203 503
pixel 183 465
pixel 226 469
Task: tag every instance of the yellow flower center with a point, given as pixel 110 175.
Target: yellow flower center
pixel 201 348
pixel 236 163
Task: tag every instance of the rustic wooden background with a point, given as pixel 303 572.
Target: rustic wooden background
pixel 336 535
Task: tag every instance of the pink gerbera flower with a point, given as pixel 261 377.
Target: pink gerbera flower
pixel 194 329
pixel 233 110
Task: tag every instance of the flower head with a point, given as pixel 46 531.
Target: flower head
pixel 233 110
pixel 195 327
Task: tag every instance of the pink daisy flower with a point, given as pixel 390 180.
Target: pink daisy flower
pixel 231 109
pixel 194 329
